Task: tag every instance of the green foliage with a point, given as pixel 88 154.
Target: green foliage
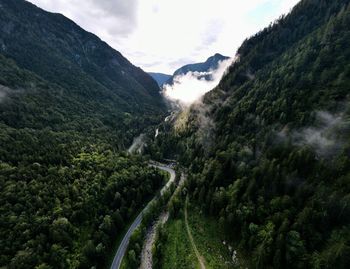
pixel 282 199
pixel 88 70
pixel 149 217
pixel 66 192
pixel 69 215
pixel 69 104
pixel 172 247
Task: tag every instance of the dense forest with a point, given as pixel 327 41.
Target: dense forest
pixel 268 149
pixel 69 216
pixel 69 107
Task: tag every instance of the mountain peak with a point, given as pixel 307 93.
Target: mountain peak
pixel 218 55
pixel 211 63
pixel 214 60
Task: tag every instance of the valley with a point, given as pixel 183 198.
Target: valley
pixel 238 161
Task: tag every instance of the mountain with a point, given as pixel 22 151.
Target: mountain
pixel 159 77
pixel 211 63
pixel 69 107
pixel 56 49
pixel 268 150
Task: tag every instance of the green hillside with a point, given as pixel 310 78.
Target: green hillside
pixel 268 150
pixel 92 75
pixel 69 106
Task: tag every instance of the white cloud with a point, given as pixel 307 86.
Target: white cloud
pixel 321 138
pixel 163 31
pixel 191 86
pixel 326 137
pixel 2 96
pixel 3 93
pixel 104 18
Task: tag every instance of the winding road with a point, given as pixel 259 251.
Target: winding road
pixel 124 244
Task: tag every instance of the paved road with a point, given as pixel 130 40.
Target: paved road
pixel 124 244
pixel 146 254
pixel 172 176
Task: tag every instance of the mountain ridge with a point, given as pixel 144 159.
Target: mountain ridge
pixel 159 77
pixel 62 52
pixel 211 63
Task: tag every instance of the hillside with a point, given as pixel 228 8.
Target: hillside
pixel 69 107
pixel 86 68
pixel 269 149
pixel 159 77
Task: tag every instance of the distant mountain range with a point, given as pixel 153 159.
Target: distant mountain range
pixel 160 77
pixel 211 63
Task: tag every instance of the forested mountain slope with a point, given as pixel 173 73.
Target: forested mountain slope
pixel 159 77
pixel 69 106
pixel 87 69
pixel 269 148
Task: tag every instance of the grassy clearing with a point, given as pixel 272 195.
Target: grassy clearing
pixel 209 245
pixel 208 237
pixel 200 259
pixel 178 252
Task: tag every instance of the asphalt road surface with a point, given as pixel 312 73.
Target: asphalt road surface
pixel 124 244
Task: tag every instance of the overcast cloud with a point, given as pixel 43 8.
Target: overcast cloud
pixel 163 35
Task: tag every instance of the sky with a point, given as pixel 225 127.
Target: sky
pixel 163 35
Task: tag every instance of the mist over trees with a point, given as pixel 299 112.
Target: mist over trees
pixel 282 199
pixel 268 149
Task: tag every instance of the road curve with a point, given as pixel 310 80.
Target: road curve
pixel 124 244
pixel 172 176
